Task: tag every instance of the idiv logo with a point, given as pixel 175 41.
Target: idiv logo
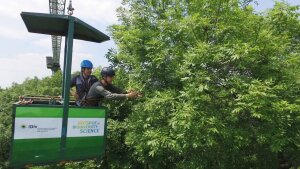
pixel 31 126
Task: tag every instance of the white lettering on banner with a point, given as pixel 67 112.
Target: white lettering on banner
pixel 85 127
pixel 31 128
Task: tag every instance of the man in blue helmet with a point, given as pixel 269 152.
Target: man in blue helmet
pixel 83 82
pixel 104 89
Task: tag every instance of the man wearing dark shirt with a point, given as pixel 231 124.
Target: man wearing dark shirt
pixel 83 82
pixel 104 89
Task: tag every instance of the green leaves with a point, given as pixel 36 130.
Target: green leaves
pixel 220 82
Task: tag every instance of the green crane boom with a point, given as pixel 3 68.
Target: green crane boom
pixel 56 7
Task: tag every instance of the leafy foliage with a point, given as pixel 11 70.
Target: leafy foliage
pixel 220 81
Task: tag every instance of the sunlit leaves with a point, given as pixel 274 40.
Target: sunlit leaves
pixel 221 82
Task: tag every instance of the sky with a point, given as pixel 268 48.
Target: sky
pixel 23 54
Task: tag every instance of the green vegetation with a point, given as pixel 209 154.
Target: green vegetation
pixel 220 82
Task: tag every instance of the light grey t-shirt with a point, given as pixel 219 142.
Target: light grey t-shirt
pixel 98 92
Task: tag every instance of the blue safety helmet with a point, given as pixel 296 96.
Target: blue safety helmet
pixel 86 64
pixel 107 71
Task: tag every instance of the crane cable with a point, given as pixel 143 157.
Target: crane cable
pixel 70 8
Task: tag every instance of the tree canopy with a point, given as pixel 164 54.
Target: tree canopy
pixel 221 83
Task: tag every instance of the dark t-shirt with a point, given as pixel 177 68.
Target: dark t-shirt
pixel 98 92
pixel 83 85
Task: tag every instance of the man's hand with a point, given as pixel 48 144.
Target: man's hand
pixel 76 96
pixel 132 95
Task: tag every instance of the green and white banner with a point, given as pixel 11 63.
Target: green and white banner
pixel 38 129
pixel 30 128
pixel 85 127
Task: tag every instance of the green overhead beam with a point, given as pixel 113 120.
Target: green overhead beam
pixel 58 25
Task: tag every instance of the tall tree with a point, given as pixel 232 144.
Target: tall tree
pixel 221 83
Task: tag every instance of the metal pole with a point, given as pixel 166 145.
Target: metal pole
pixel 67 78
pixel 65 62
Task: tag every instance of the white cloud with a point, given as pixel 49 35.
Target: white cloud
pixel 101 11
pixel 16 69
pixel 94 11
pixel 13 8
pixel 9 32
pixel 43 42
pixel 18 64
